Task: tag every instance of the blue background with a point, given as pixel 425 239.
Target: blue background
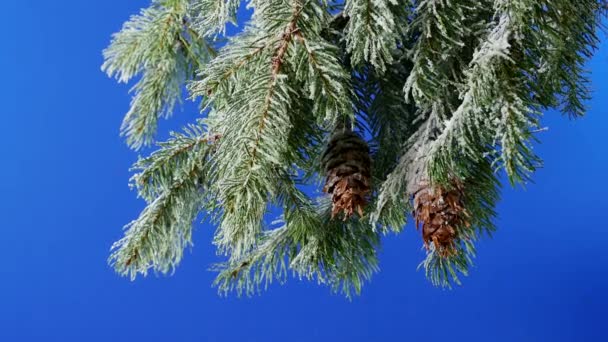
pixel 64 199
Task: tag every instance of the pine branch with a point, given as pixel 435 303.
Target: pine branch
pixel 316 63
pixel 410 170
pixel 323 75
pixel 445 32
pixel 570 40
pixel 340 254
pixel 374 29
pixel 243 51
pixel 257 129
pixel 391 121
pixel 158 171
pixel 156 45
pixel 172 181
pixel 444 92
pixel 212 15
pixel 490 89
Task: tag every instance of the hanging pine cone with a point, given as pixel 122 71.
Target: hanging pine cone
pixel 440 212
pixel 347 164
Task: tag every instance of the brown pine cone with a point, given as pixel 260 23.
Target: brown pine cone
pixel 440 211
pixel 347 164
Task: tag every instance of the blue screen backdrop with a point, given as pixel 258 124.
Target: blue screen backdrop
pixel 64 198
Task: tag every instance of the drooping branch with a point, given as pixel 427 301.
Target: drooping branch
pixel 172 180
pixel 262 126
pixel 476 75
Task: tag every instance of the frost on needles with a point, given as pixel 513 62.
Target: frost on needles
pixel 400 106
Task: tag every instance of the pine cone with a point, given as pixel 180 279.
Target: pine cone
pixel 441 213
pixel 347 164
